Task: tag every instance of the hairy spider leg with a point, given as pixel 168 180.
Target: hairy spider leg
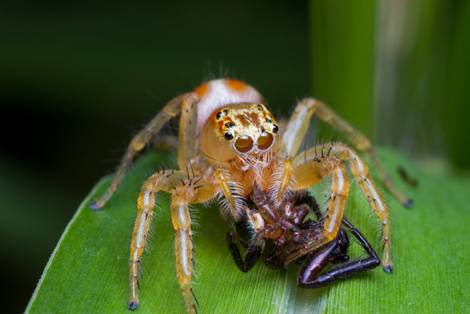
pixel 162 180
pixel 181 220
pixel 187 134
pixel 298 125
pixel 253 253
pixel 142 139
pixel 184 191
pixel 281 181
pixel 188 144
pixel 310 275
pixel 233 202
pixel 337 151
pixel 312 172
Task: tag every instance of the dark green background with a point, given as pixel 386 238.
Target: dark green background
pixel 78 79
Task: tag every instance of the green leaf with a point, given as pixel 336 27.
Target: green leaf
pixel 88 270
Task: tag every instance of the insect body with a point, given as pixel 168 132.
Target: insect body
pixel 291 229
pixel 230 147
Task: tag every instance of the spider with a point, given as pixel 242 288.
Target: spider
pixel 295 232
pixel 229 145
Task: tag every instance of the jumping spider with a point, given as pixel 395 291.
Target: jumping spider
pixel 230 146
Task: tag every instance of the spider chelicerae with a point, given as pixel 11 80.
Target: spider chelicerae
pixel 231 148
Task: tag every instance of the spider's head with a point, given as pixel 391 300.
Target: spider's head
pixel 242 129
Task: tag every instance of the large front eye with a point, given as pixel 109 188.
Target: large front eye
pixel 265 140
pixel 244 144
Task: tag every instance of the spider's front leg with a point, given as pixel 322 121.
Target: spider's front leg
pixel 253 252
pixel 300 120
pixel 310 173
pixel 181 197
pixel 311 167
pixel 184 191
pixel 172 109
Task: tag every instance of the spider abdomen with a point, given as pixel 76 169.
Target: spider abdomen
pixel 216 94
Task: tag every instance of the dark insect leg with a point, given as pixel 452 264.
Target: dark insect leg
pixel 304 198
pixel 310 277
pixel 358 235
pixel 309 272
pixel 253 253
pixel 340 254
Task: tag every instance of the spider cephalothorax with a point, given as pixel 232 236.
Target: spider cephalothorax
pixel 238 129
pixel 230 148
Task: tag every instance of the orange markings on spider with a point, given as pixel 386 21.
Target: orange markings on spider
pixel 202 89
pixel 236 85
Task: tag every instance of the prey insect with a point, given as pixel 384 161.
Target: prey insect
pixel 297 230
pixel 232 146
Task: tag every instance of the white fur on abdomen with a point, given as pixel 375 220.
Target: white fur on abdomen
pixel 220 94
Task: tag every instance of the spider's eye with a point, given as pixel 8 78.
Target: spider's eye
pixel 228 136
pixel 275 128
pixel 219 115
pixel 265 140
pixel 244 144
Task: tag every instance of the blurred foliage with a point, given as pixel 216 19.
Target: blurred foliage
pixel 455 105
pixel 32 219
pixel 423 49
pixel 88 272
pixel 342 45
pixel 398 70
